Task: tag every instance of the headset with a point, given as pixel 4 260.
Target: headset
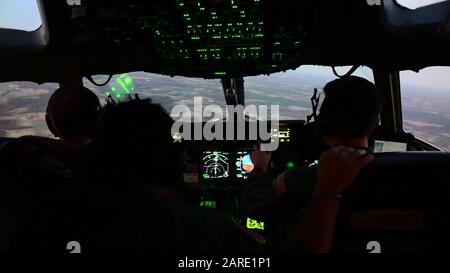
pixel 92 103
pixel 325 125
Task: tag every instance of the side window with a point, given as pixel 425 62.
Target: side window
pixel 20 15
pixel 22 109
pixel 426 105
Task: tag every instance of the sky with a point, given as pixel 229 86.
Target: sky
pixel 436 77
pixel 19 14
pixel 413 4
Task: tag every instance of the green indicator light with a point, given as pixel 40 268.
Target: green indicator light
pixel 254 224
pixel 208 204
pixel 290 165
pixel 220 73
pixel 124 84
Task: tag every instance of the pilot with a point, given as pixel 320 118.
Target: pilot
pixel 42 171
pixel 348 116
pixel 71 114
pixel 135 207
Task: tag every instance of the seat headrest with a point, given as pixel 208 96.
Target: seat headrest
pixel 402 201
pixel 439 161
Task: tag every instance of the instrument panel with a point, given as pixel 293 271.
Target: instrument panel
pixel 228 164
pixel 218 170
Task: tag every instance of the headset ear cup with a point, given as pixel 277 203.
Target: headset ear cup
pixel 50 125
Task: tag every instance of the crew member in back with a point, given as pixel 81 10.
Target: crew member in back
pixel 135 168
pixel 348 116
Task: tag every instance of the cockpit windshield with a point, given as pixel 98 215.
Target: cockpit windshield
pixel 23 104
pixel 291 90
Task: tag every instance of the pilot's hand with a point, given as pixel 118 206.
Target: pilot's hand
pixel 260 159
pixel 339 167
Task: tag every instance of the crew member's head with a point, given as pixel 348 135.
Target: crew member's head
pixel 72 113
pixel 350 112
pixel 132 144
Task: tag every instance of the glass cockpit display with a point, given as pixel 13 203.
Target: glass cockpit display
pixel 284 135
pixel 244 164
pixel 215 165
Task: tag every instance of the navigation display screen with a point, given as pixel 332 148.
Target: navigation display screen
pixel 215 165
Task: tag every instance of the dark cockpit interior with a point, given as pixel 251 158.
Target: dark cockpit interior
pixel 217 39
pixel 401 200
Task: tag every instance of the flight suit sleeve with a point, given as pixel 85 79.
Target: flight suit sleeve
pixel 300 184
pixel 258 192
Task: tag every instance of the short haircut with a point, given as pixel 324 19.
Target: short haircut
pixel 133 140
pixel 73 112
pixel 351 108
